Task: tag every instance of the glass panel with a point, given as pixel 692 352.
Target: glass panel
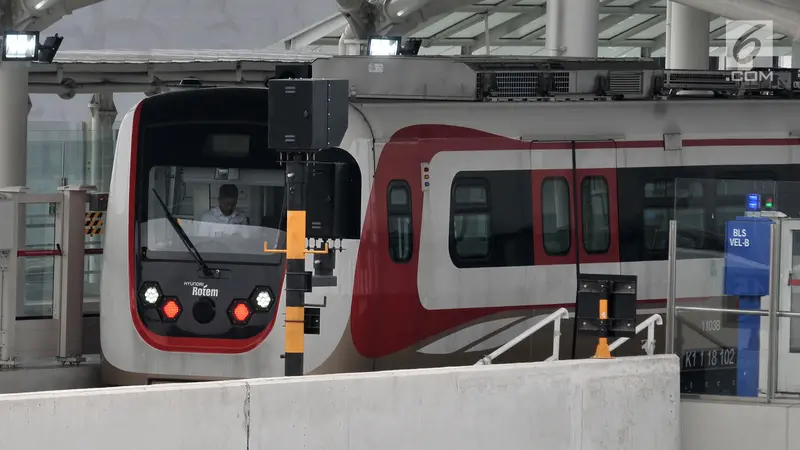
pixel 226 219
pixel 471 232
pixel 38 271
pixel 720 351
pixel 52 164
pixel 596 223
pixel 400 237
pixel 794 324
pixel 471 195
pixel 398 196
pixel 556 216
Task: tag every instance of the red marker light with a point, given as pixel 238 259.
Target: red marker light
pixel 240 312
pixel 171 309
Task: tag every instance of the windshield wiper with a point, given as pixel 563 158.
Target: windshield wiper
pixel 207 271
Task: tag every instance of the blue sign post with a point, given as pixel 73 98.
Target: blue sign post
pixel 747 267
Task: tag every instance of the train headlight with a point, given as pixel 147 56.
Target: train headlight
pixel 262 298
pixel 150 293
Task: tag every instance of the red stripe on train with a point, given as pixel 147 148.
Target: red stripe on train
pixel 387 315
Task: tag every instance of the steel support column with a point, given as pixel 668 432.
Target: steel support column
pixel 572 28
pixel 688 44
pixel 795 55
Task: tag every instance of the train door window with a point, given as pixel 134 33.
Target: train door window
pixel 398 206
pixel 556 216
pixel 471 228
pixel 596 222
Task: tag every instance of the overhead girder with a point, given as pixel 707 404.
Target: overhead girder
pixel 38 15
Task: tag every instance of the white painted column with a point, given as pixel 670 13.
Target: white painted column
pixel 14 108
pixel 688 43
pixel 795 55
pixel 104 113
pixel 572 28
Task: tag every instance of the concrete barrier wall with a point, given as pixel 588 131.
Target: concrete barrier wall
pixel 622 404
pixel 738 425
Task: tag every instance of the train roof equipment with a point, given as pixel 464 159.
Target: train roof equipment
pixel 497 78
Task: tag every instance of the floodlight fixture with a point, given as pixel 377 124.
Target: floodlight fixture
pixel 48 50
pixel 25 46
pixel 20 45
pixel 383 46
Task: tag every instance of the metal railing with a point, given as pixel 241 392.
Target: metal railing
pixel 555 318
pixel 649 345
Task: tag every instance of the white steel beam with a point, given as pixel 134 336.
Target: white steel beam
pixel 507 27
pixel 650 43
pixel 633 31
pixel 636 8
pixel 306 37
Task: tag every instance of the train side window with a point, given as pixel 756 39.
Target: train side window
pixel 401 231
pixel 556 216
pixel 661 199
pixel 595 213
pixel 471 228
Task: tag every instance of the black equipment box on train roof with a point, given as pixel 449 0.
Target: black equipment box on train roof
pixel 307 115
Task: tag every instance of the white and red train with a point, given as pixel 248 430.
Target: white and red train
pixel 474 219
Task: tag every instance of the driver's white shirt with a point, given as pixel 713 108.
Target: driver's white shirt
pixel 213 222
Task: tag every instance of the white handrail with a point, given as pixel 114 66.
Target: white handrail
pixel 650 344
pixel 556 318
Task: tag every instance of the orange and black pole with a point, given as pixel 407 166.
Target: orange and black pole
pixel 603 351
pixel 295 265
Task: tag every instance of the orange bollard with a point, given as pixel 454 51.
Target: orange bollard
pixel 602 351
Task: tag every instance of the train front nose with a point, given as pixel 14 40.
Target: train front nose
pixel 234 311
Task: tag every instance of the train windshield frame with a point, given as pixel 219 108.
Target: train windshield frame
pixel 222 185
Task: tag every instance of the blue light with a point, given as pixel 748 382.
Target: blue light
pixel 753 202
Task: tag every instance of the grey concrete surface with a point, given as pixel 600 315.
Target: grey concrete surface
pixel 620 404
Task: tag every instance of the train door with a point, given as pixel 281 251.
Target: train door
pixel 789 300
pixel 575 209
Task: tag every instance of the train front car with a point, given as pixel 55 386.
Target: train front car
pixel 188 291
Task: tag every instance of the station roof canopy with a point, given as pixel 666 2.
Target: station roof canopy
pixel 518 27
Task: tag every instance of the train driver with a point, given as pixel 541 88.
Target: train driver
pixel 217 220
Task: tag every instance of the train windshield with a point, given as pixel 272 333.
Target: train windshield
pixel 227 213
